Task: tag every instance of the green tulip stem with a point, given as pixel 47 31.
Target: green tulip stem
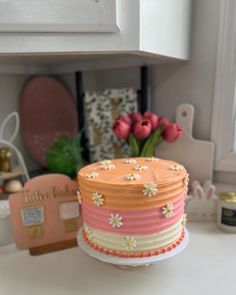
pixel 146 147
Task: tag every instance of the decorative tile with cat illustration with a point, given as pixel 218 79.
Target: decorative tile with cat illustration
pixel 101 110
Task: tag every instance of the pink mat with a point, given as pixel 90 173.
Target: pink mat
pixel 47 113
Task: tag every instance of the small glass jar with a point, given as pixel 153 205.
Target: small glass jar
pixel 226 211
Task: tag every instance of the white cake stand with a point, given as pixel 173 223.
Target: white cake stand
pixel 130 263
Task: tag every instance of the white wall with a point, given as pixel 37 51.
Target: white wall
pixel 102 79
pixel 193 81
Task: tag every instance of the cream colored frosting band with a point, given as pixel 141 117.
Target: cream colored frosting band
pixel 134 243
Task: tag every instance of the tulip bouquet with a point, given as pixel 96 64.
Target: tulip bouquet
pixel 145 132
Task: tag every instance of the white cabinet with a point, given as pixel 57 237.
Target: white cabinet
pixel 94 32
pixel 58 16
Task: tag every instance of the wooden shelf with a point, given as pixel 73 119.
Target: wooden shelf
pixel 4 196
pixel 16 172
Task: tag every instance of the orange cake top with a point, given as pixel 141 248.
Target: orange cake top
pixel 125 182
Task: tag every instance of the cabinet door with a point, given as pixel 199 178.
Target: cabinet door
pixel 58 16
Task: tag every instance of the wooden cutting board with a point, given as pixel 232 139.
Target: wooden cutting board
pixel 196 155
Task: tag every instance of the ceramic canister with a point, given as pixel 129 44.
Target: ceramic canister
pixel 226 211
pixel 6 236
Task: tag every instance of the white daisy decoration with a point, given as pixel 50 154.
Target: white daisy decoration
pixel 150 189
pixel 115 220
pixel 184 219
pixel 130 161
pixel 98 199
pixel 92 174
pixel 140 167
pixel 89 233
pixel 79 198
pixel 130 243
pixel 105 162
pixel 176 167
pixel 168 210
pixel 152 159
pixel 107 166
pixel 132 176
pixel 186 181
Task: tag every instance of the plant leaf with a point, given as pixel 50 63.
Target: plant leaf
pixel 134 146
pixel 78 139
pixel 151 143
pixel 60 158
pixel 65 156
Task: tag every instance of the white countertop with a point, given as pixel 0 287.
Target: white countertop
pixel 206 266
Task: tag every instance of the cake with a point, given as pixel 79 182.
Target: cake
pixel 133 207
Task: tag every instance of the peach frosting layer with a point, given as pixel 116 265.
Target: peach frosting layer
pixel 120 193
pixel 149 221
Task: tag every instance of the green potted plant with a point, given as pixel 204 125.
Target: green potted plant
pixel 64 156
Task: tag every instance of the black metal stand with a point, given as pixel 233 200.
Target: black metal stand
pixel 81 115
pixel 144 99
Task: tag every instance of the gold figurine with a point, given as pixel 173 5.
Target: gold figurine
pixel 5 160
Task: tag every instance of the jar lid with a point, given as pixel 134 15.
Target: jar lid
pixel 4 209
pixel 228 197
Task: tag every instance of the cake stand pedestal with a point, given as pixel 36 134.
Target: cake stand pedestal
pixel 130 263
pixel 132 267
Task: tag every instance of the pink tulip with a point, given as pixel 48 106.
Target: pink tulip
pixel 172 132
pixel 125 118
pixel 153 118
pixel 121 129
pixel 135 117
pixel 142 129
pixel 164 122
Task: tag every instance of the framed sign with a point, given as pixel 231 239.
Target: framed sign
pixel 46 214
